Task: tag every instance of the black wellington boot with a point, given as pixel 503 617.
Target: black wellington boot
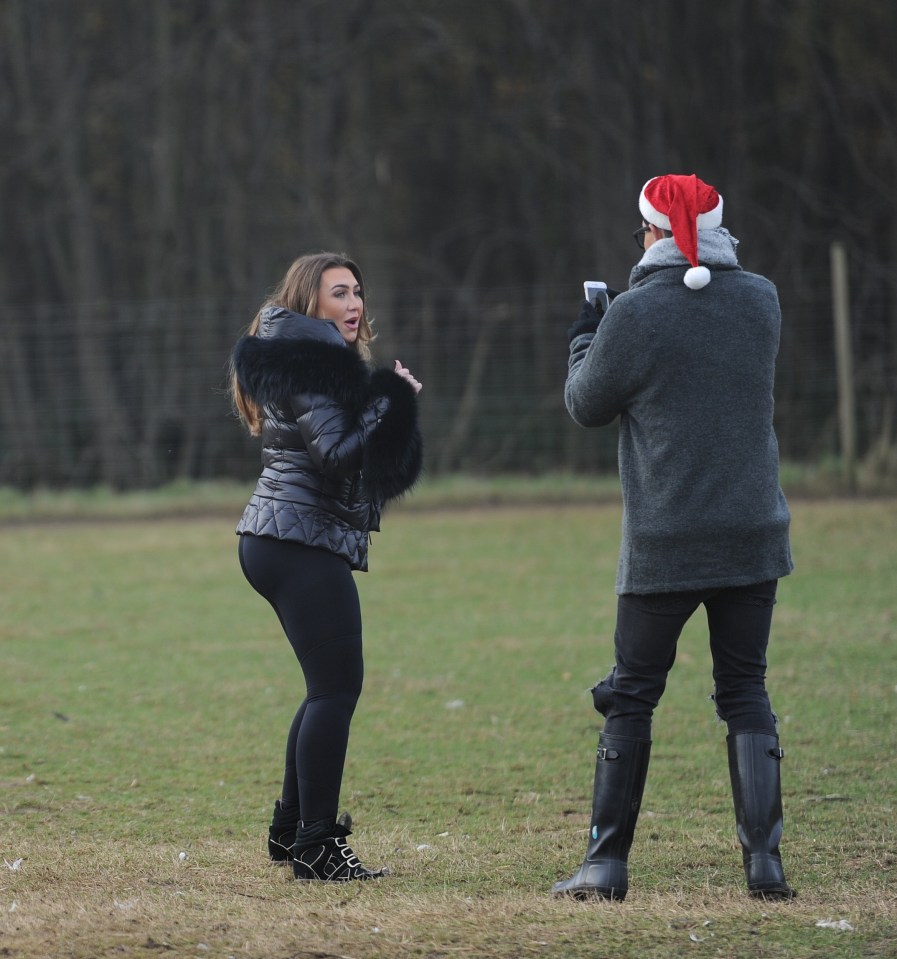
pixel 621 768
pixel 757 793
pixel 321 853
pixel 282 832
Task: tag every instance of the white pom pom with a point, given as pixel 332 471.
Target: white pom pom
pixel 697 277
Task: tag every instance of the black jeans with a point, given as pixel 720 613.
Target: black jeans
pixel 648 629
pixel 316 599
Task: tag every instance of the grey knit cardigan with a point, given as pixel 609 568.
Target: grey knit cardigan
pixel 690 375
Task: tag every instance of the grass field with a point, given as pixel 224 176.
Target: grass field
pixel 145 692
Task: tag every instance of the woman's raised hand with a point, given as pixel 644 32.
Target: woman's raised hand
pixel 405 373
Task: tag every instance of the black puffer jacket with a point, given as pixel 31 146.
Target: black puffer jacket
pixel 338 440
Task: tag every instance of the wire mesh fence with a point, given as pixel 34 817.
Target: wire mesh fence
pixel 134 394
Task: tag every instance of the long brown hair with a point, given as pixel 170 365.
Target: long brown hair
pixel 298 291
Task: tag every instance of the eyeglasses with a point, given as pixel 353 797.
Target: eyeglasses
pixel 639 236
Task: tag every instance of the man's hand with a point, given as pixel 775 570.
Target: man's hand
pixel 586 322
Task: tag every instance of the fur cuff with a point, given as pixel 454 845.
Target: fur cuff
pixel 393 455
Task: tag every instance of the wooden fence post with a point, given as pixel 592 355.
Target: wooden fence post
pixel 844 364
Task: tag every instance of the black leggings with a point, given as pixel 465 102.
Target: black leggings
pixel 315 597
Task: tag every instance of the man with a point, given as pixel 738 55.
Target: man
pixel 686 359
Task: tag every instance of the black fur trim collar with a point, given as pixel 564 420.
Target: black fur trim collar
pixel 271 370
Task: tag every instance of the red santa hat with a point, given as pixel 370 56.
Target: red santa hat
pixel 683 205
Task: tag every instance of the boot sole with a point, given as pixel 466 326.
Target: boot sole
pixel 589 894
pixel 779 893
pixel 376 875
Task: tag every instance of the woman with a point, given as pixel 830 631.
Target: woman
pixel 338 441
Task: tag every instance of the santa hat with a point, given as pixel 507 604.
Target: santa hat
pixel 683 205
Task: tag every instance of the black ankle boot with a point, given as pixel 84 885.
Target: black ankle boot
pixel 282 832
pixel 321 853
pixel 620 772
pixel 757 793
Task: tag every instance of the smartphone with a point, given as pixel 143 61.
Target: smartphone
pixel 596 293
